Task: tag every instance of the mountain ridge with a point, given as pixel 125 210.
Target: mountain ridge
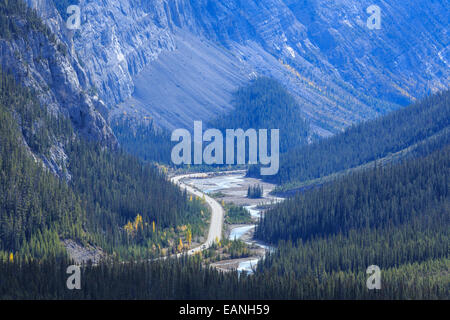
pixel 268 38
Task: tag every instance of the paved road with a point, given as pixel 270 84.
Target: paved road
pixel 217 212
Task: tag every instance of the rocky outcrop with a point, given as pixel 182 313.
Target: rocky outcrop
pixel 47 66
pixel 117 40
pixel 81 254
pixel 340 71
pixel 41 60
pixel 156 58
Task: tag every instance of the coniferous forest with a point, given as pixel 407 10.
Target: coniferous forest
pixel 395 216
pixel 427 119
pixel 143 140
pixel 266 104
pixel 106 189
pixel 255 191
pixel 393 213
pixel 262 104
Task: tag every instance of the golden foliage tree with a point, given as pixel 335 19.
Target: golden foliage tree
pixel 189 236
pixel 132 228
pixel 180 246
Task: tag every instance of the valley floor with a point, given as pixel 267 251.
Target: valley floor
pixel 231 187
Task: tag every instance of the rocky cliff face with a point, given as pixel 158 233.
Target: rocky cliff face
pixel 402 61
pixel 41 60
pixel 47 65
pixel 158 57
pixel 180 60
pixel 117 40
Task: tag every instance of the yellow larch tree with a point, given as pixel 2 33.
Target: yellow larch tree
pixel 129 228
pixel 132 228
pixel 138 222
pixel 189 236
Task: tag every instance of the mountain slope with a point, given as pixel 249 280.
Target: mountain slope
pixel 379 197
pixel 266 104
pixel 368 141
pixel 394 217
pixel 39 56
pixel 341 73
pixel 62 175
pixel 105 190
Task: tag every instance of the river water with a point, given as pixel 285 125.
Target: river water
pixel 234 188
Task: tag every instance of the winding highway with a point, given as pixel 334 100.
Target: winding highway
pixel 217 212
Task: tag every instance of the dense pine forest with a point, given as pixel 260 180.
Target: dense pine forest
pixel 266 104
pixel 35 206
pixel 377 198
pixel 375 139
pixel 119 189
pixel 105 189
pixel 143 140
pixel 188 279
pixel 255 191
pixel 394 214
pixel 396 217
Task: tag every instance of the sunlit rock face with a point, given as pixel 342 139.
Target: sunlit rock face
pixel 53 71
pixel 180 60
pixel 47 65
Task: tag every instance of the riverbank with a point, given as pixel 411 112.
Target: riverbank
pixel 232 188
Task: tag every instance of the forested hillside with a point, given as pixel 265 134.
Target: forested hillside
pixel 35 207
pixel 266 104
pixel 261 104
pixel 144 140
pixel 188 279
pixel 369 141
pixel 377 198
pixel 394 217
pixel 119 189
pixel 105 189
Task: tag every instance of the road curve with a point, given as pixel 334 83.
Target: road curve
pixel 217 212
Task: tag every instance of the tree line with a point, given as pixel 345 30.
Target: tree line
pixel 99 192
pixel 368 141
